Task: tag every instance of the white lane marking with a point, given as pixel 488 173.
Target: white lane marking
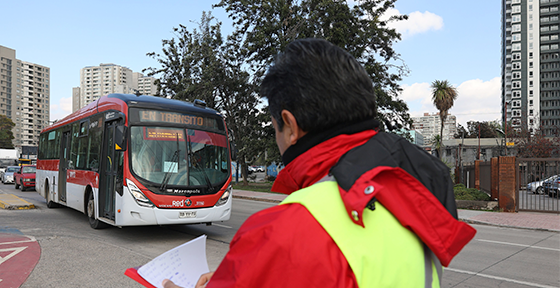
pixel 520 245
pixel 220 225
pixel 15 250
pixel 31 239
pixel 500 278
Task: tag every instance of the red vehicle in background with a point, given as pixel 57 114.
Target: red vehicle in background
pixel 25 177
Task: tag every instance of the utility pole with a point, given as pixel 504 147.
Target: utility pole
pixel 505 126
pixel 460 156
pixel 478 154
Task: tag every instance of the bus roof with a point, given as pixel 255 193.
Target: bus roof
pixel 121 101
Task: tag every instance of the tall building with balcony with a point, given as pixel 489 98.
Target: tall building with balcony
pixel 24 96
pixel 429 125
pixel 96 81
pixel 144 84
pixel 531 64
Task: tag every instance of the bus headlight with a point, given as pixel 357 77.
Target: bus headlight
pixel 223 200
pixel 140 198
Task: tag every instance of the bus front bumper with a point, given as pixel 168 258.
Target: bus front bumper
pixel 132 214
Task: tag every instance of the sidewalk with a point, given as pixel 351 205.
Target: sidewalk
pixel 524 220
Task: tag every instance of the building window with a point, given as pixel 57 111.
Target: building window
pixel 516 94
pixel 516 9
pixel 516 65
pixel 530 83
pixel 516 75
pixel 516 46
pixel 516 84
pixel 516 56
pixel 516 37
pixel 516 28
pixel 515 18
pixel 516 113
pixel 516 103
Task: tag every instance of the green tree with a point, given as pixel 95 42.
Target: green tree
pixel 437 143
pixel 443 97
pixel 199 64
pixel 268 26
pixel 6 135
pixel 488 129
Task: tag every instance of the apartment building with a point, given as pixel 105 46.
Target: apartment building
pixel 531 64
pixel 96 81
pixel 144 84
pixel 24 96
pixel 429 125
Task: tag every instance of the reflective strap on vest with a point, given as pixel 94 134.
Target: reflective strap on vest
pixel 396 258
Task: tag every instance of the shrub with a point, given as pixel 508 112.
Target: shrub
pixel 463 193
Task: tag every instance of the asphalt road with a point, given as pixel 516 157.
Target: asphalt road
pixel 74 255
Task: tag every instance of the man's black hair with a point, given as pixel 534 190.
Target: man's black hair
pixel 320 84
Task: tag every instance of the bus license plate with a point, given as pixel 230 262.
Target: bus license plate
pixel 187 214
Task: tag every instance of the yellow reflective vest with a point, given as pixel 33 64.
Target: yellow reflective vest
pixel 382 253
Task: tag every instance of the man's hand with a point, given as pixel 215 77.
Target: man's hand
pixel 202 281
pixel 169 284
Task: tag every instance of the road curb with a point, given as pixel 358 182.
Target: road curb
pixel 12 202
pixel 256 199
pixel 469 221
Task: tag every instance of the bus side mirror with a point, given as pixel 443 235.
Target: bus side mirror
pixel 120 138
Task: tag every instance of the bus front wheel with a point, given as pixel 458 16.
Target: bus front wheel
pixel 90 210
pixel 50 203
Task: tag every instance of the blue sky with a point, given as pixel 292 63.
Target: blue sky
pixel 443 40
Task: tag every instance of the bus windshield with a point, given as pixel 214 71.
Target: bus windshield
pixel 179 157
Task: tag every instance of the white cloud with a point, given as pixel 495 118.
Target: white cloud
pixel 415 91
pixel 61 110
pixel 477 100
pixel 416 23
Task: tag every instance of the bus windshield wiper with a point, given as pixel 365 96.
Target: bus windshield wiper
pixel 190 153
pixel 174 159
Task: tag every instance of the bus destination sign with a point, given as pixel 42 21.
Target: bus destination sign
pixel 170 117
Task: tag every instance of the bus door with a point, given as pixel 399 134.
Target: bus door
pixel 63 166
pixel 111 170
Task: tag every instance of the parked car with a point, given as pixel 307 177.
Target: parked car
pixel 25 177
pixel 8 175
pixel 537 186
pixel 551 186
pixel 251 169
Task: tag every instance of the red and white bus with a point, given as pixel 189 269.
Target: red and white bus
pixel 138 160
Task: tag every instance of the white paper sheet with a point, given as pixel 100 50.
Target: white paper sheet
pixel 183 264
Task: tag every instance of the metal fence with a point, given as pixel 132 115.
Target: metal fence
pixel 531 193
pixel 485 176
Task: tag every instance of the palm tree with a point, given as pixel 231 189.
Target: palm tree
pixel 436 143
pixel 443 96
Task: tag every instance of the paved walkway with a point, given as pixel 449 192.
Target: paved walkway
pixel 525 220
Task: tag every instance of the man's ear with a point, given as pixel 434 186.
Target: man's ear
pixel 295 132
